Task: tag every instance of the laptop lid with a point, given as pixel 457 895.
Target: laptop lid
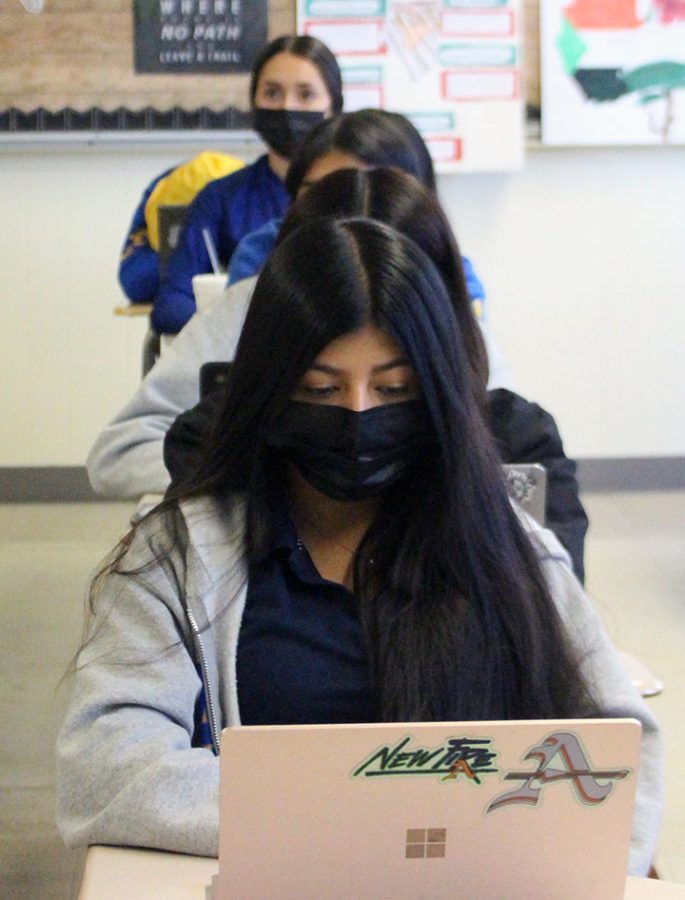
pixel 441 810
pixel 527 484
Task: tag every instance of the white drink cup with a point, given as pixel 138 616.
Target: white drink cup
pixel 207 289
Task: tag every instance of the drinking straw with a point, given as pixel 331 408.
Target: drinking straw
pixel 211 249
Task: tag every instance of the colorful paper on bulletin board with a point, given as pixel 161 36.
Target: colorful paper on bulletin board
pixel 453 67
pixel 613 71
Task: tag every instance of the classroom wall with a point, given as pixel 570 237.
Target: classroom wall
pixel 581 254
pixel 583 257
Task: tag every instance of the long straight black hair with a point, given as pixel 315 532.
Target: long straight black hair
pixel 458 620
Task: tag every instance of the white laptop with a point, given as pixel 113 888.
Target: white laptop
pixel 535 809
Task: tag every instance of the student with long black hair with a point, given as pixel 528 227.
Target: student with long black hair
pixel 344 551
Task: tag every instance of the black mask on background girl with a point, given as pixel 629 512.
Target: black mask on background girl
pixel 352 455
pixel 284 129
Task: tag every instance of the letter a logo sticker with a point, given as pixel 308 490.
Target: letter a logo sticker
pixel 592 786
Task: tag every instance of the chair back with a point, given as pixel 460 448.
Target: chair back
pixel 169 221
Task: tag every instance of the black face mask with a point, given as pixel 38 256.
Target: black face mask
pixel 351 455
pixel 284 129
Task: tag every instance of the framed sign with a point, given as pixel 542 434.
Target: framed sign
pixel 190 36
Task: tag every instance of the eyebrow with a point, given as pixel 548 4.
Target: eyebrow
pixel 331 370
pixel 276 83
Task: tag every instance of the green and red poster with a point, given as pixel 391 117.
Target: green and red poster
pixel 613 71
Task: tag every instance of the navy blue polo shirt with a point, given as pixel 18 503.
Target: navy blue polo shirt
pixel 301 651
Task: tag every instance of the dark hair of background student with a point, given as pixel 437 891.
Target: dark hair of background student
pixel 403 202
pixel 309 48
pixel 374 136
pixel 458 620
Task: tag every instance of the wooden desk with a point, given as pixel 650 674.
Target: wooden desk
pixel 114 872
pixel 133 309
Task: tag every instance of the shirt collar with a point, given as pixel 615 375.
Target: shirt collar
pixel 281 536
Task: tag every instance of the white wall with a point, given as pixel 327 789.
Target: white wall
pixel 582 255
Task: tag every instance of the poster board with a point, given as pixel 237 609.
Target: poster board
pixel 454 67
pixel 613 72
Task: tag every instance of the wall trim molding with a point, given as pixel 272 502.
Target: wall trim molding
pixel 69 484
pixel 45 484
pixel 632 473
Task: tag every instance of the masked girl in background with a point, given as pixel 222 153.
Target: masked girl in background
pixel 344 551
pixel 295 83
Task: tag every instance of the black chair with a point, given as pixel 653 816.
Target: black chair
pixel 169 221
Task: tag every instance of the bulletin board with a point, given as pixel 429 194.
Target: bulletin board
pixel 76 66
pixel 71 69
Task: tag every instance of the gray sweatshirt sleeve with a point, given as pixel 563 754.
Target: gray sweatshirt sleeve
pixel 613 690
pixel 126 771
pixel 127 457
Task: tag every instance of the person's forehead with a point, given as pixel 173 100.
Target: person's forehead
pixel 331 162
pixel 368 347
pixel 287 68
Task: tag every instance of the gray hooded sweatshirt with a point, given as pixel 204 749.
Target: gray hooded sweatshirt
pixel 127 771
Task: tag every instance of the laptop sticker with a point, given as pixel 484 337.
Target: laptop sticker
pixel 470 757
pixel 591 786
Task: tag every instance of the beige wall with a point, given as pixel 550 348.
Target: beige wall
pixel 581 254
pixel 583 258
